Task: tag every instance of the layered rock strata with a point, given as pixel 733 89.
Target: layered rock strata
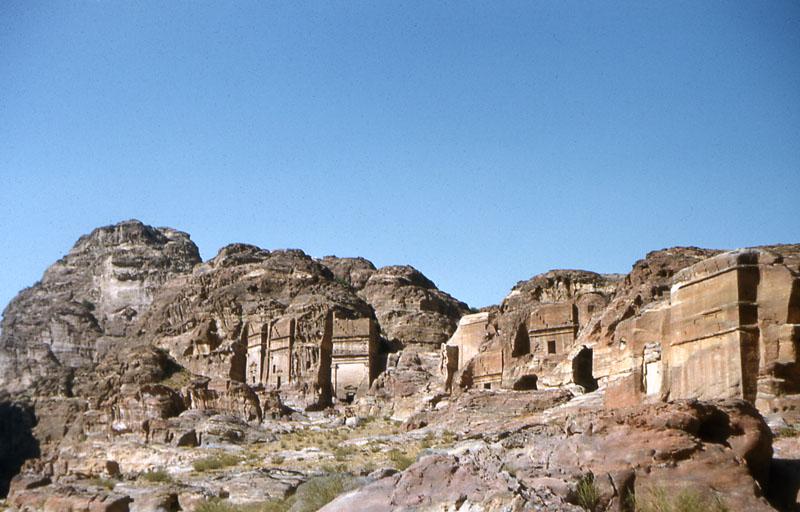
pixel 686 323
pixel 89 301
pixel 410 309
pixel 133 355
pixel 251 315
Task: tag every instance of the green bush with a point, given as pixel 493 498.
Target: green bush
pixel 427 441
pixel 328 468
pixel 787 432
pixel 156 476
pixel 343 282
pixel 309 497
pixel 103 482
pixel 273 506
pixel 400 460
pixel 219 505
pixel 587 494
pixel 368 468
pixel 212 462
pixel 178 378
pixel 508 469
pixel 319 491
pixel 342 453
pixel 687 500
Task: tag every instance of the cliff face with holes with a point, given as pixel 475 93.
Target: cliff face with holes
pixel 685 323
pixel 131 350
pixel 214 322
pixel 728 329
pixel 131 331
pixel 521 343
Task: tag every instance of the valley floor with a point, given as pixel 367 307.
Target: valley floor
pixel 481 450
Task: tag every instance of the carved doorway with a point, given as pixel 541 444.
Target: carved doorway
pixel 582 369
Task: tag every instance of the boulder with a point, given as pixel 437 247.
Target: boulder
pixel 572 458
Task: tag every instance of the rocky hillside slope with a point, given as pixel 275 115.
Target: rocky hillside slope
pixel 88 302
pixel 135 376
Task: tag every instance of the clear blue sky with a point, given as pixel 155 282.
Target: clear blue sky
pixel 482 142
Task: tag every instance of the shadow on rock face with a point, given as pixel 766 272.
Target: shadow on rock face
pixel 17 443
pixel 785 484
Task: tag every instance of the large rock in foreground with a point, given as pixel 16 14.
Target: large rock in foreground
pixel 570 459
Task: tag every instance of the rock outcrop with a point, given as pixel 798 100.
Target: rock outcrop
pixel 411 382
pixel 414 317
pixel 685 323
pixel 409 307
pixel 730 328
pixel 136 377
pixel 89 301
pixel 354 272
pixel 582 459
pixel 217 321
pixel 520 343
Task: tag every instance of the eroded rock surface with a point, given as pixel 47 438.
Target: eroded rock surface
pixel 207 320
pixel 409 307
pixel 89 301
pixel 539 460
pixel 685 323
pixel 136 377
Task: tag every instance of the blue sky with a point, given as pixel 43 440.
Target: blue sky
pixel 482 142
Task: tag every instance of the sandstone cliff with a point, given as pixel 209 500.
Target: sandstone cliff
pixel 136 377
pixel 87 302
pixel 409 307
pixel 685 323
pixel 204 320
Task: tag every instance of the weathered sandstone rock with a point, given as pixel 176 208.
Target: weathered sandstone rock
pixel 89 301
pixel 207 320
pixel 685 323
pixel 411 383
pixel 353 272
pixel 519 344
pixel 271 368
pixel 409 307
pixel 520 462
pixel 730 329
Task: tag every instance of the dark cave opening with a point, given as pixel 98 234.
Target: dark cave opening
pixel 17 443
pixel 582 369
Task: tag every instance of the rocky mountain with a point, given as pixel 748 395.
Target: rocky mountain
pixel 87 302
pixel 559 286
pixel 207 320
pixel 410 308
pixel 135 376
